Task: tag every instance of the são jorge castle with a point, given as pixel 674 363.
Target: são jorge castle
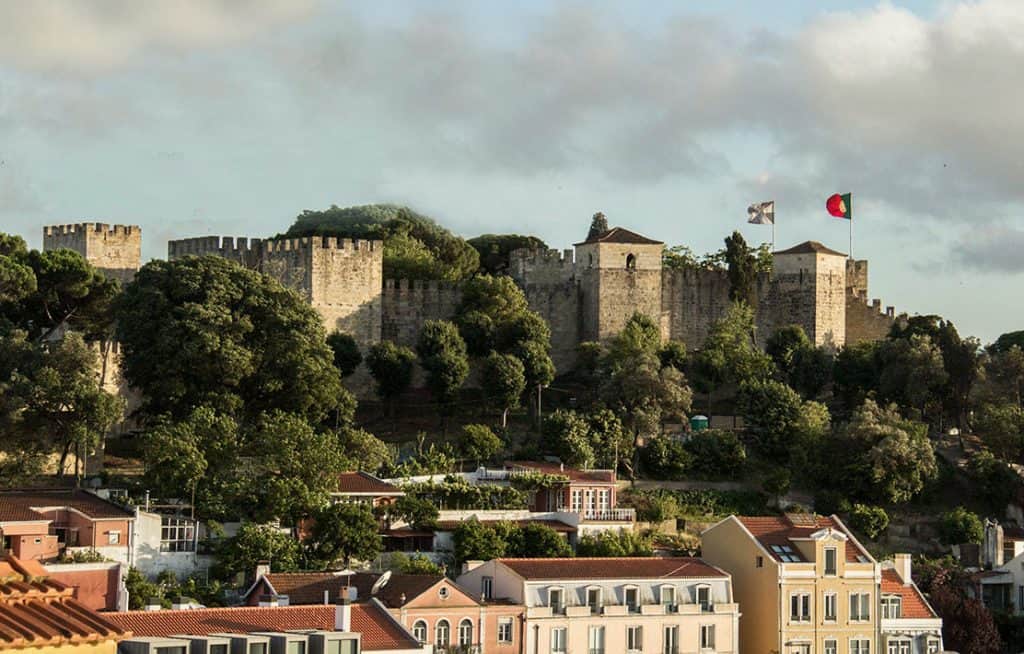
pixel 585 293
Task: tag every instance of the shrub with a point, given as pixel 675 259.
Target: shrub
pixel 960 526
pixel 665 458
pixel 869 520
pixel 716 454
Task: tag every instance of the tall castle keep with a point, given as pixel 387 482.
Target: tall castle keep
pixel 586 293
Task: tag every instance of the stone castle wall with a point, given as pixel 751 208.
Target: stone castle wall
pixel 865 321
pixel 692 301
pixel 116 250
pixel 407 304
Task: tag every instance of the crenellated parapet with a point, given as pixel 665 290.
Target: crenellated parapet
pixel 115 250
pixel 540 266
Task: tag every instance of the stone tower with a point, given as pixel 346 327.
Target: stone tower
pixel 341 278
pixel 115 250
pixel 809 283
pixel 619 273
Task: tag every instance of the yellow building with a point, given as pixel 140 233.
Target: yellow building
pixel 803 582
pixel 40 615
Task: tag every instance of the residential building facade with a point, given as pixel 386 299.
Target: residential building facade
pixel 614 605
pixel 804 584
pixel 908 623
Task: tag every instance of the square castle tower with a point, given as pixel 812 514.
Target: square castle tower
pixel 116 250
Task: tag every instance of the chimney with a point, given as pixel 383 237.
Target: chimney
pixel 153 604
pixel 992 545
pixel 343 615
pixel 262 568
pixel 268 601
pixel 180 603
pixel 902 564
pixel 469 566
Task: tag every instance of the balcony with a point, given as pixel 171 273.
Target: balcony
pixel 609 515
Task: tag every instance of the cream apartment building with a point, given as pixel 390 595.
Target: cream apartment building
pixel 614 605
pixel 804 584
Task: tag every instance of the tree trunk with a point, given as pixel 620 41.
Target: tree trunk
pixel 504 418
pixel 63 460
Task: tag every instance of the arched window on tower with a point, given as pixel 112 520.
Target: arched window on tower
pixel 630 262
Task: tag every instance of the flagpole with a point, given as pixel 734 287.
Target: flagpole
pixel 851 236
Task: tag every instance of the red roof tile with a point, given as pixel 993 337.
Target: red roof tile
pixel 810 247
pixel 24 505
pixel 574 474
pixel 365 483
pixel 620 235
pixel 613 568
pixel 378 630
pixel 557 525
pixel 309 587
pixel 781 530
pixel 914 604
pixel 36 611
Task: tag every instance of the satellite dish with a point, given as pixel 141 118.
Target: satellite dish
pixel 380 583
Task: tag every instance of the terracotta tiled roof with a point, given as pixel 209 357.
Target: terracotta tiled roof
pixel 1013 533
pixel 810 247
pixel 38 612
pixel 914 605
pixel 378 631
pixel 612 568
pixel 781 530
pixel 309 587
pixel 20 506
pixel 557 525
pixel 411 586
pixel 574 474
pixel 363 482
pixel 620 235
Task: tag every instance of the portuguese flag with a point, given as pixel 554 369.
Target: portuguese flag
pixel 840 206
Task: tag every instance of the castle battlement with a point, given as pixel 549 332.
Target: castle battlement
pixel 564 258
pixel 321 242
pixel 103 229
pixel 225 246
pixel 419 285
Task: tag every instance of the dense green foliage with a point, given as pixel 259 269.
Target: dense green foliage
pixel 392 367
pixel 442 354
pixel 494 250
pixel 347 356
pixel 961 526
pixel 613 544
pixel 415 247
pixel 483 541
pixel 342 532
pixel 869 520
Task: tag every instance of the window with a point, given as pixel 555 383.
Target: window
pixel 786 553
pixel 346 646
pixel 296 647
pixel 830 607
pixel 831 646
pixel 707 636
pixel 630 262
pixel 465 632
pixel 558 640
pixel 670 644
pixel 830 561
pixel 594 599
pixel 218 648
pixel 177 535
pixel 595 640
pixel 668 597
pixel 442 592
pixel 759 562
pixel 113 537
pixel 257 648
pixel 577 501
pixel 634 639
pixel 933 646
pixel 860 646
pixel 800 607
pixel 441 633
pixel 555 600
pixel 504 630
pixel 704 597
pixel 170 650
pixel 1020 597
pixel 419 631
pixel 898 647
pixel 892 607
pixel 603 503
pixel 632 600
pixel 487 587
pixel 860 607
pixel 800 648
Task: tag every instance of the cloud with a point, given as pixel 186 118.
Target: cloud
pixel 992 249
pixel 93 36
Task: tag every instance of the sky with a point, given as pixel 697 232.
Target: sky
pixel 203 117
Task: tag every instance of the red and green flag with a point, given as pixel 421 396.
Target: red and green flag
pixel 840 205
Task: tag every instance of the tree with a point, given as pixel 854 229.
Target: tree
pixel 967 626
pixel 504 380
pixel 782 424
pixel 777 484
pixel 204 331
pixel 856 373
pixel 343 531
pixel 253 544
pixel 716 454
pixel 993 480
pixel 896 453
pixel 488 302
pixel 801 365
pixel 17 280
pixel 478 443
pixel 364 451
pixel 959 526
pixel 541 541
pixel 673 353
pixel 58 399
pixel 784 343
pixel 729 355
pixel 1004 374
pixel 613 544
pixel 415 247
pixel 742 269
pixel 418 512
pixel 912 373
pixel 494 250
pixel 417 564
pixel 598 226
pixel 475 541
pixel 1001 427
pixel 665 458
pixel 1005 342
pixel 391 366
pixel 443 356
pixel 347 356
pixel 609 439
pixel 568 435
pixel 869 520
